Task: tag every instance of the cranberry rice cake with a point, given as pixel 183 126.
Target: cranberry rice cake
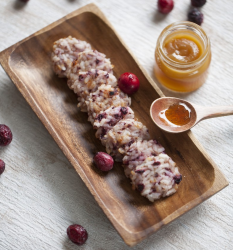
pixel 88 82
pixel 156 177
pixel 109 118
pixel 138 152
pixel 91 59
pixel 105 97
pixel 65 52
pixel 122 135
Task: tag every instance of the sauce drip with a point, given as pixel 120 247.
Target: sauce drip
pixel 175 115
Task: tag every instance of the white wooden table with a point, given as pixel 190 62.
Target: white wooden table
pixel 41 194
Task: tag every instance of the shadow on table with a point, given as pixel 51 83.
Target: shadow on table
pixel 158 17
pixel 17 4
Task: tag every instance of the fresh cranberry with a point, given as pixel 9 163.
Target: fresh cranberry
pixel 2 166
pixel 165 6
pixel 195 16
pixel 103 161
pixel 198 3
pixel 77 234
pixel 5 135
pixel 128 83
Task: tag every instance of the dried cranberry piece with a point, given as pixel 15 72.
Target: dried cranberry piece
pixel 195 16
pixel 103 161
pixel 198 3
pixel 140 187
pixel 117 116
pixel 177 179
pixel 96 73
pixel 156 163
pixel 124 110
pixel 101 116
pixel 2 166
pixel 5 135
pixel 140 171
pixel 165 6
pixel 80 77
pixel 103 133
pixel 77 234
pixel 130 143
pixel 125 162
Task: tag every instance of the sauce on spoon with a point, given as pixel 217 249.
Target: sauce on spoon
pixel 176 115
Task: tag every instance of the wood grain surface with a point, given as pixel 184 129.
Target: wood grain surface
pixel 42 198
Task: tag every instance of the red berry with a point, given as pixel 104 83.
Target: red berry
pixel 128 83
pixel 198 3
pixel 165 6
pixel 77 234
pixel 103 161
pixel 195 16
pixel 5 135
pixel 2 166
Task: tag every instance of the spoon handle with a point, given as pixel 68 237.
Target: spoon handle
pixel 211 112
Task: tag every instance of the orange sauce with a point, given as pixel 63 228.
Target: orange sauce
pixel 175 115
pixel 182 48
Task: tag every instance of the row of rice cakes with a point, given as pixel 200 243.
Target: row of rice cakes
pixel 90 76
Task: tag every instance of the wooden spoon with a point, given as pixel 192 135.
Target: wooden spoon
pixel 197 113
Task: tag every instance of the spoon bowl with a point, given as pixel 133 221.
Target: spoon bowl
pixel 196 113
pixel 165 102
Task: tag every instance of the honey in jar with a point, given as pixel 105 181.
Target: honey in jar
pixel 182 57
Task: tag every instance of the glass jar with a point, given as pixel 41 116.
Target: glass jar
pixel 177 75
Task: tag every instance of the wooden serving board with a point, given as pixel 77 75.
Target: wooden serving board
pixel 28 65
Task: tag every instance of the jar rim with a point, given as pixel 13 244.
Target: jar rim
pixel 181 26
